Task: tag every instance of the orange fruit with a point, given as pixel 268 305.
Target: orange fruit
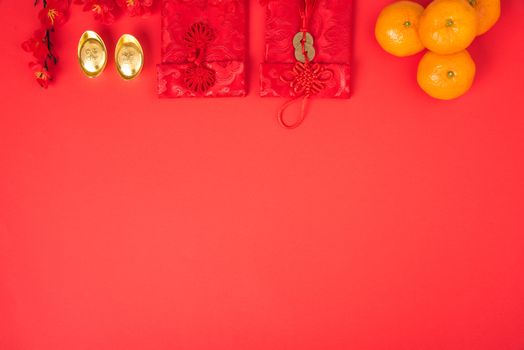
pixel 488 13
pixel 396 29
pixel 446 76
pixel 448 26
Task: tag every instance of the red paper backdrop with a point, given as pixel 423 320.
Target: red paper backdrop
pixel 388 221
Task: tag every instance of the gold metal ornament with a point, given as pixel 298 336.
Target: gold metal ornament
pixel 92 54
pixel 310 51
pixel 306 39
pixel 129 57
pixel 297 39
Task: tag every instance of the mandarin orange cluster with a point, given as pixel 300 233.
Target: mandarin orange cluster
pixel 54 13
pixel 446 28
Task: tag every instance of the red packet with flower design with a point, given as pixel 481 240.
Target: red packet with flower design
pixel 307 50
pixel 203 48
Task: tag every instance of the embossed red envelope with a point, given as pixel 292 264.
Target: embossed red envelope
pixel 203 48
pixel 318 29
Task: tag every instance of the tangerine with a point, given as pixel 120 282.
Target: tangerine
pixel 448 26
pixel 396 29
pixel 446 77
pixel 488 13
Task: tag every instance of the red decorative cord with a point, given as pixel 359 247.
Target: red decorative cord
pixel 305 12
pixel 307 77
pixel 302 114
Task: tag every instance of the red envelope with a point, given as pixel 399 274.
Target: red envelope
pixel 328 73
pixel 203 48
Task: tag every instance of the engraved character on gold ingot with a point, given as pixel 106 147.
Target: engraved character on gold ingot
pixel 91 54
pixel 127 55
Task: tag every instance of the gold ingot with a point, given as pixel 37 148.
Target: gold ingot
pixel 129 57
pixel 92 54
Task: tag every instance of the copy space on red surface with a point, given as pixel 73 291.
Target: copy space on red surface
pixel 386 221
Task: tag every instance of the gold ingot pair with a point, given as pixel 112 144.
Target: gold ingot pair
pixel 92 55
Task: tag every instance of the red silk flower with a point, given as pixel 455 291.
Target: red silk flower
pixel 41 73
pixel 37 45
pixel 136 7
pixel 54 14
pixel 103 10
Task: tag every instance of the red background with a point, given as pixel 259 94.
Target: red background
pixel 388 221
